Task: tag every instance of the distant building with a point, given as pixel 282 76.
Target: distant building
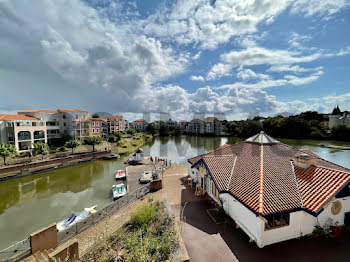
pixel 116 123
pixel 339 118
pixel 22 131
pixel 182 125
pixel 196 126
pixel 140 124
pixel 171 124
pixel 157 124
pixel 212 125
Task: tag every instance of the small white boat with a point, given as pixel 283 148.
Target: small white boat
pixel 75 218
pixel 146 176
pixel 118 191
pixel 119 174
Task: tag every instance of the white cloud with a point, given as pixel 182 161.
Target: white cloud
pixel 197 78
pixel 197 56
pixel 247 74
pixel 257 56
pixel 295 68
pixel 211 23
pixel 324 7
pixel 297 40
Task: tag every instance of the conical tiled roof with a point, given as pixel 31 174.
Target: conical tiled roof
pixel 262 138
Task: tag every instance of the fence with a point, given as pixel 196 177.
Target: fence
pixel 108 210
pixel 22 249
pixel 16 252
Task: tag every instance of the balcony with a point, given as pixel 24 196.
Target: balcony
pixel 50 136
pixel 39 136
pixel 22 138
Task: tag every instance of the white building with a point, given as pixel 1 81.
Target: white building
pixel 272 191
pixel 22 131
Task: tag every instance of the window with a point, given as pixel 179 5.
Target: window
pixel 277 221
pixel 76 116
pixel 97 130
pixel 64 117
pixel 97 123
pixel 64 124
pixel 93 130
pixel 93 123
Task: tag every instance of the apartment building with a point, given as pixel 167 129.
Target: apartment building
pixel 115 123
pixel 140 124
pixel 51 119
pixel 22 131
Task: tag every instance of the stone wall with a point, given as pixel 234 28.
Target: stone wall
pixel 29 168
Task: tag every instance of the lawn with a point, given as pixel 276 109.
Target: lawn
pixel 149 235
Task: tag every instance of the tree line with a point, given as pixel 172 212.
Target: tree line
pixel 307 125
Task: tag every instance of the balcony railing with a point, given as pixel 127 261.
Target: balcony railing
pixel 21 138
pixel 53 135
pixel 39 136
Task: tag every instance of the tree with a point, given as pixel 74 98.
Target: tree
pixel 177 131
pixel 118 136
pixel 341 132
pixel 131 131
pixel 72 144
pixel 7 150
pixel 163 130
pixel 92 141
pixel 150 129
pixel 40 149
pixel 111 138
pixel 95 116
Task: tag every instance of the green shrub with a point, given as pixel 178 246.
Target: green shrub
pixel 144 215
pixel 62 149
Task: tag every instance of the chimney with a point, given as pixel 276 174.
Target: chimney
pixel 304 161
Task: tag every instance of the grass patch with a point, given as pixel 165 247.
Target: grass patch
pixel 149 236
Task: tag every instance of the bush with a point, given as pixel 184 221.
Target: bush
pixel 53 149
pixel 62 149
pixel 111 138
pixel 317 134
pixel 144 215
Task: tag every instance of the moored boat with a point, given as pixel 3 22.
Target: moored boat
pixel 111 156
pixel 146 176
pixel 75 218
pixel 120 174
pixel 118 191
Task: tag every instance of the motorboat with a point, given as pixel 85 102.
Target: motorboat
pixel 136 158
pixel 111 156
pixel 120 174
pixel 146 176
pixel 75 218
pixel 118 191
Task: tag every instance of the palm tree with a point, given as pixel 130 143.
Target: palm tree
pixel 40 149
pixel 93 140
pixel 72 144
pixel 7 150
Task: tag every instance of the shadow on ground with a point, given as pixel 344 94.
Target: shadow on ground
pixel 305 249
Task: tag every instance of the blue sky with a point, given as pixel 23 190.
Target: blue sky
pixel 180 57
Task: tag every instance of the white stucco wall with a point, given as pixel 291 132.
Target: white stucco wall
pixel 249 222
pixel 302 223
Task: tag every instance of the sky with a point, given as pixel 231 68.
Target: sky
pixel 229 58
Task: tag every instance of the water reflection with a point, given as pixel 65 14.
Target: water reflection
pixel 29 203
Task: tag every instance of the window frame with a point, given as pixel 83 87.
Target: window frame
pixel 286 216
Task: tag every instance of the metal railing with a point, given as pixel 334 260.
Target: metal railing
pixel 21 249
pixel 16 252
pixel 103 213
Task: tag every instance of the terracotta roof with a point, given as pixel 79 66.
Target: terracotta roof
pixel 120 117
pixel 260 173
pixel 71 110
pixel 39 111
pixel 17 117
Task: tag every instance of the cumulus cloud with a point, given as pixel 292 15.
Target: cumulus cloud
pixel 197 78
pixel 312 7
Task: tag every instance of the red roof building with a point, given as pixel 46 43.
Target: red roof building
pixel 271 179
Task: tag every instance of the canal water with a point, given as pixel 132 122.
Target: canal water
pixel 30 203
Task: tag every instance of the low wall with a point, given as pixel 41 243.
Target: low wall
pixel 44 239
pixel 69 251
pixel 30 168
